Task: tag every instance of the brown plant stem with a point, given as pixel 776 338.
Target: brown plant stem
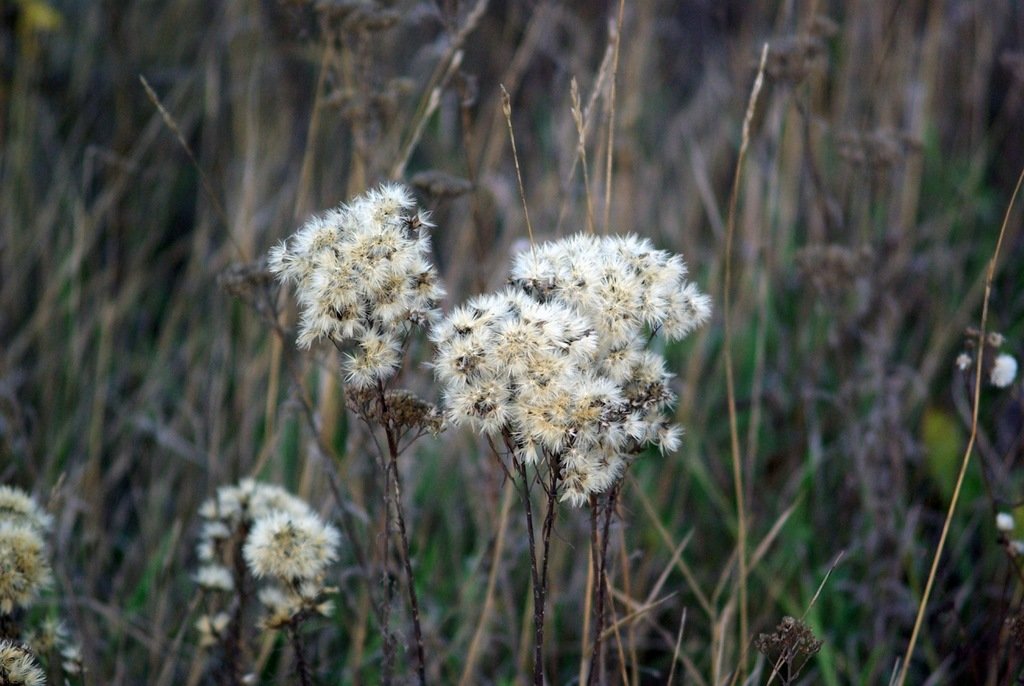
pixel 730 384
pixel 234 645
pixel 396 482
pixel 538 590
pixel 301 666
pixel 596 656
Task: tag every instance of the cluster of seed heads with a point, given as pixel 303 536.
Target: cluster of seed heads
pixel 280 540
pixel 24 573
pixel 999 368
pixel 363 278
pixel 558 364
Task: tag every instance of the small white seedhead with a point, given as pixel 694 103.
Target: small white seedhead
pixel 1005 523
pixel 1004 370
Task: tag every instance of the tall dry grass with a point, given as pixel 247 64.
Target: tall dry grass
pixel 882 152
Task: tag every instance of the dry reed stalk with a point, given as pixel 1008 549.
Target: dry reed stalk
pixel 675 653
pixel 581 148
pixel 741 542
pixel 611 118
pixel 627 588
pixel 588 599
pixel 506 108
pixel 618 639
pixel 965 461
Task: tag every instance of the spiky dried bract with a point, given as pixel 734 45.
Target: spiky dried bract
pixel 18 666
pixel 558 362
pixel 24 569
pixel 290 547
pixel 363 276
pixel 18 507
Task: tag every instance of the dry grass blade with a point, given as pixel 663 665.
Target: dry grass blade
pixel 679 645
pixel 506 108
pixel 970 441
pixel 207 187
pixel 611 119
pixel 581 148
pixel 635 614
pixel 741 524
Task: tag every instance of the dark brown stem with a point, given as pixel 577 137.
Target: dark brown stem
pixel 388 665
pixel 538 589
pixel 301 666
pixel 234 644
pixel 554 468
pixel 595 547
pixel 596 657
pixel 396 481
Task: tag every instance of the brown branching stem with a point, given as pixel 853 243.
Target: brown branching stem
pixel 538 569
pixel 538 591
pixel 396 482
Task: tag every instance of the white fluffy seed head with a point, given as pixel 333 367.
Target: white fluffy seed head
pixel 361 267
pixel 18 667
pixel 24 567
pixel 559 362
pixel 16 506
pixel 290 547
pixel 1004 371
pixel 1005 523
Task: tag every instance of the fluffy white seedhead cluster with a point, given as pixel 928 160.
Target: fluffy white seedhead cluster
pixel 24 564
pixel 280 539
pixel 18 667
pixel 1000 368
pixel 363 276
pixel 558 363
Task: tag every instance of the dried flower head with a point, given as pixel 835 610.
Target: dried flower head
pixel 556 365
pixel 363 276
pixel 1004 371
pixel 290 547
pixel 24 569
pixel 788 647
pixel 405 410
pixel 18 666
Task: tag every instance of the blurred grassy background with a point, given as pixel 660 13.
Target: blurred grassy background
pixel 883 152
